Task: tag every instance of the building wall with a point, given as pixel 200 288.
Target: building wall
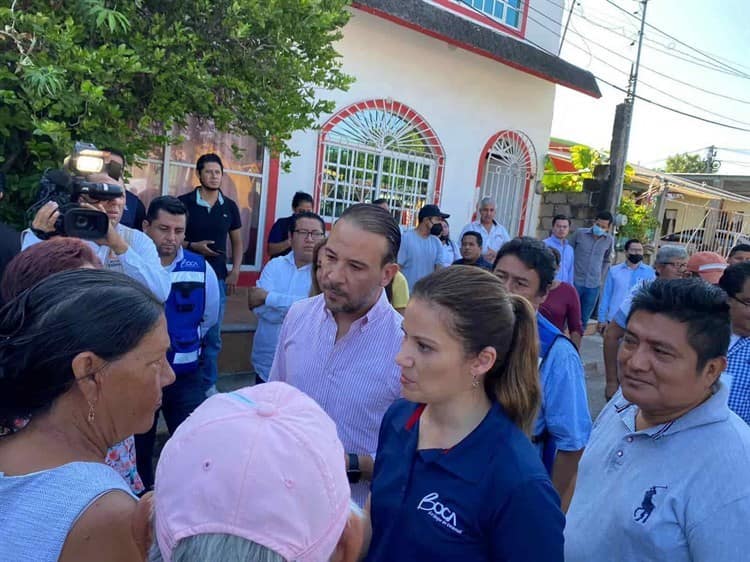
pixel 465 98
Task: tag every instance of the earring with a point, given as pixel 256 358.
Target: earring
pixel 91 413
pixel 474 381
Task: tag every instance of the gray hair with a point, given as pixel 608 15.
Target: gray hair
pixel 486 201
pixel 216 546
pixel 670 252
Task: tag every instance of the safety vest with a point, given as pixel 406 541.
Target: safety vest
pixel 184 311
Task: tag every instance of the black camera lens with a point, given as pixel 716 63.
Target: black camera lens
pixel 82 222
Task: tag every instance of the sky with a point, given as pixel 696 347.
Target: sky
pixel 718 29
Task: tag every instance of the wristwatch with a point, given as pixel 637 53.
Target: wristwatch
pixel 353 473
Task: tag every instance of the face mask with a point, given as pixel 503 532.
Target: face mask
pixel 635 258
pixel 437 229
pixel 598 230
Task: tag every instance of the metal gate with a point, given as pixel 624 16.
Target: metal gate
pixel 509 168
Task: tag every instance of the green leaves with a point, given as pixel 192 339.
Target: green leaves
pixel 124 72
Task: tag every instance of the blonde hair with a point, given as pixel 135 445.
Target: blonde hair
pixel 483 314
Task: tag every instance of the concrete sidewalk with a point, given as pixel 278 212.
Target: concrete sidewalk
pixel 593 362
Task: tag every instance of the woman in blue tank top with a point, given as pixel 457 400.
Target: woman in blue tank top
pixel 83 355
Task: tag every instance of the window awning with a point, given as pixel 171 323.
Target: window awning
pixel 441 24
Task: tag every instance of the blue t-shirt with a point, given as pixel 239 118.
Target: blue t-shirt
pixel 418 256
pixel 486 499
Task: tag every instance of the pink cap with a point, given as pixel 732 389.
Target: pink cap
pixel 263 463
pixel 709 266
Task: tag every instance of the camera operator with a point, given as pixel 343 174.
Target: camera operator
pixel 123 249
pixel 135 211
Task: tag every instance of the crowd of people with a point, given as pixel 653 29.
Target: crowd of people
pixel 415 397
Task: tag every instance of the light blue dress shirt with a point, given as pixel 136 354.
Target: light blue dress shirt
pixel 564 412
pixel 565 272
pixel 677 492
pixel 286 284
pixel 620 281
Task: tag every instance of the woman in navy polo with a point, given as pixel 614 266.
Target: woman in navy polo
pixel 455 476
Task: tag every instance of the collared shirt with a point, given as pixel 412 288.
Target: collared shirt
pixel 451 252
pixel 738 375
pixel 620 280
pixel 492 240
pixel 286 284
pixel 211 310
pixel 354 379
pixel 211 222
pixel 419 256
pixel 620 316
pixel 481 262
pixel 564 413
pixel 565 272
pixel 677 492
pixel 592 257
pixel 140 261
pixel 488 498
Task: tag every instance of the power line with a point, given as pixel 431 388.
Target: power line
pixel 673 38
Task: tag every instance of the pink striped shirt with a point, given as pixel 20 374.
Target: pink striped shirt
pixel 354 379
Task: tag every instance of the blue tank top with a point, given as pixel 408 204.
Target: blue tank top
pixel 38 510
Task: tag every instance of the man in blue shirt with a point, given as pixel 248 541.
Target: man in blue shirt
pixel 284 280
pixel 593 253
pixel 664 476
pixel 527 268
pixel 279 239
pixel 559 241
pixel 421 253
pixel 736 284
pixel 621 279
pixel 471 251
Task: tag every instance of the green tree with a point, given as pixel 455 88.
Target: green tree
pixel 641 219
pixel 685 164
pixel 126 73
pixel 584 160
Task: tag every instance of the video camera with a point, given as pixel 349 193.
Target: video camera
pixel 67 185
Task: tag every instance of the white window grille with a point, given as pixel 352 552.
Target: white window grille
pixel 508 12
pixel 509 168
pixel 379 149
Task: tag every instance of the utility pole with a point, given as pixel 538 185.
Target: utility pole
pixel 618 153
pixel 712 164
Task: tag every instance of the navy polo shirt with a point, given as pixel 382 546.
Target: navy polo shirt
pixel 487 498
pixel 279 233
pixel 212 224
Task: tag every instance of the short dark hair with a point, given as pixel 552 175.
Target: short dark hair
pixel 605 216
pixel 116 152
pixel 560 218
pixel 475 235
pixel 556 254
pixel 380 201
pixel 739 248
pixel 535 255
pixel 700 305
pixel 301 197
pixel 306 215
pixel 734 277
pixel 168 204
pixel 630 242
pixel 205 159
pixel 66 314
pixel 376 220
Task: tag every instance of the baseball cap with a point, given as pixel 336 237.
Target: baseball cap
pixel 262 463
pixel 708 265
pixel 431 211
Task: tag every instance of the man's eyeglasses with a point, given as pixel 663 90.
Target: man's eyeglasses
pixel 681 266
pixel 314 234
pixel 742 302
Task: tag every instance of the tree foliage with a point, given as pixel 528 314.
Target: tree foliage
pixel 127 73
pixel 685 164
pixel 584 160
pixel 641 219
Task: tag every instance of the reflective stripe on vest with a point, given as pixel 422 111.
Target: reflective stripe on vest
pixel 184 310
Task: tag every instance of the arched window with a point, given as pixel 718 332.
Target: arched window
pixel 507 167
pixel 378 149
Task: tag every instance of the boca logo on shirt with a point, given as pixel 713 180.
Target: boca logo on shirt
pixel 439 512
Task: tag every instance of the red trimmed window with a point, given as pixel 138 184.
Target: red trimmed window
pixel 378 149
pixel 505 15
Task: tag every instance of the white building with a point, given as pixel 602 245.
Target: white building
pixel 452 101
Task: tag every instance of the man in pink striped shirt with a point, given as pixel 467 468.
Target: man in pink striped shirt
pixel 340 347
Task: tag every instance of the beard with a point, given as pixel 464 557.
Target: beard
pixel 339 301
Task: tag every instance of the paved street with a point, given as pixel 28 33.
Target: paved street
pixel 593 361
